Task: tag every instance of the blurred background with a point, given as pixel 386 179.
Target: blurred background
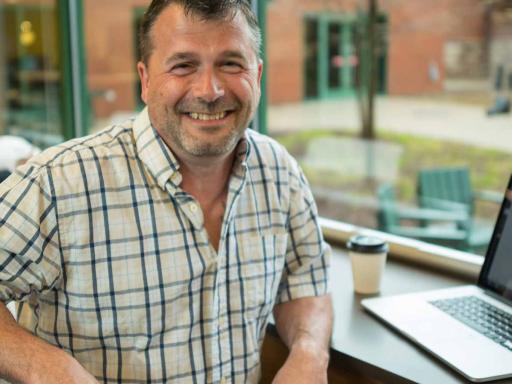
pixel 397 110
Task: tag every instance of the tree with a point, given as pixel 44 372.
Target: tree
pixel 367 46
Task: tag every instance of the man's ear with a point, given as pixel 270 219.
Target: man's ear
pixel 144 80
pixel 260 71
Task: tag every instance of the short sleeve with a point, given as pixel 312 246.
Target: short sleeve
pixel 307 261
pixel 29 246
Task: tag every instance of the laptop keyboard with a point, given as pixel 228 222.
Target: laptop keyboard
pixel 481 316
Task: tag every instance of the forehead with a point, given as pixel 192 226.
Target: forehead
pixel 175 31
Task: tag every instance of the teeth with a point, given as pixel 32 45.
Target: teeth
pixel 205 116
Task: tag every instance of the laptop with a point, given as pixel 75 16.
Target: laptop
pixel 468 327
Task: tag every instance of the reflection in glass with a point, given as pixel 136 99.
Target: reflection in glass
pixel 443 98
pixel 111 55
pixel 335 55
pixel 30 72
pixel 311 57
pixel 354 57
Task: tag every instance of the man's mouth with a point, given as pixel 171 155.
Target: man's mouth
pixel 207 116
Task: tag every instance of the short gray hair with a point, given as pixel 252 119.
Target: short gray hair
pixel 205 9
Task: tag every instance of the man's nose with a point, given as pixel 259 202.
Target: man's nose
pixel 208 86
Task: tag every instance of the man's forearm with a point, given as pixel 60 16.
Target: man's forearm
pixel 25 358
pixel 307 319
pixel 305 325
pixel 13 355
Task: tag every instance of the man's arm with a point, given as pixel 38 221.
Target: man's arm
pixel 305 326
pixel 28 215
pixel 25 358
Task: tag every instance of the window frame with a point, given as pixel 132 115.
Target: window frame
pixel 441 258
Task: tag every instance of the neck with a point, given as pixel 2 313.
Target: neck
pixel 208 176
pixel 205 178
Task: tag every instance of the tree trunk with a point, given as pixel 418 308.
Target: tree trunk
pixel 370 80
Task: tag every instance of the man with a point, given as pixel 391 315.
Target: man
pixel 155 251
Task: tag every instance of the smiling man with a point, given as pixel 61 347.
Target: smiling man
pixel 156 250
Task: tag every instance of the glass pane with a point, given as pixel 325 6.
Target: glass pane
pixel 354 55
pixel 111 55
pixel 335 55
pixel 30 72
pixel 311 57
pixel 443 109
pixel 380 54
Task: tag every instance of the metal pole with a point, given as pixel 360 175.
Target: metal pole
pixel 3 75
pixel 372 21
pixel 260 118
pixel 76 68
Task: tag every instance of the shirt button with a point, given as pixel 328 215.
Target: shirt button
pixel 141 343
pixel 193 207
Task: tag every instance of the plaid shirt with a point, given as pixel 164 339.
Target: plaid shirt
pixel 111 259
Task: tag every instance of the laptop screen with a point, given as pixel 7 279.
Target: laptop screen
pixel 496 274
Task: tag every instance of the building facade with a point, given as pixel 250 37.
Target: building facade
pixel 421 44
pixel 312 53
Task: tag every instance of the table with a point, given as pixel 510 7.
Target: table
pixel 365 349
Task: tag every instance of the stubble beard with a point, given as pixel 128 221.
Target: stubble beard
pixel 196 147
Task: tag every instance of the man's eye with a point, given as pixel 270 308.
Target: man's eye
pixel 182 69
pixel 232 66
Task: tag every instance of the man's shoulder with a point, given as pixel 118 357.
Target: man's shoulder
pixel 269 157
pixel 110 141
pixel 64 164
pixel 267 148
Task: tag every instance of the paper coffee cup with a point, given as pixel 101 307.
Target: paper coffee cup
pixel 368 258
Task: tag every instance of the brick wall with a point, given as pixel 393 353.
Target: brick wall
pixel 500 50
pixel 428 40
pixel 110 53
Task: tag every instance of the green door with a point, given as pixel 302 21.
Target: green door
pixel 330 57
pixel 342 58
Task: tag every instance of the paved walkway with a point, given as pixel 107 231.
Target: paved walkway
pixel 441 120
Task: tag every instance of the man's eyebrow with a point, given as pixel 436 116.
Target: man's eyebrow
pixel 178 56
pixel 192 56
pixel 233 54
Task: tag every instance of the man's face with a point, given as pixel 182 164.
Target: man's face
pixel 202 82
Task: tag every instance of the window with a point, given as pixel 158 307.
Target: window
pixel 330 55
pixel 441 123
pixel 440 71
pixel 31 72
pixel 67 70
pixel 111 51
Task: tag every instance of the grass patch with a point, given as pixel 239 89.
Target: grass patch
pixel 490 169
pixel 296 143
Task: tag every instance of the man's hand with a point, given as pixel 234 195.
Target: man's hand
pixel 305 364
